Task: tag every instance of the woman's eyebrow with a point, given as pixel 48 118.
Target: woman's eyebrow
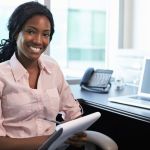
pixel 32 27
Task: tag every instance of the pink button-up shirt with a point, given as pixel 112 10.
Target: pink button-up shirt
pixel 25 112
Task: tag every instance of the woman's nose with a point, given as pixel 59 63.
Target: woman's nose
pixel 38 39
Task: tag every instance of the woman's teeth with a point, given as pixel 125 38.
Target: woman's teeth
pixel 35 49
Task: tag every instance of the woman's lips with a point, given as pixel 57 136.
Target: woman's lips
pixel 35 49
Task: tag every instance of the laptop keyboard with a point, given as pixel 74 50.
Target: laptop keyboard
pixel 137 101
pixel 140 98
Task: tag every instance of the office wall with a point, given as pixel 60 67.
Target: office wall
pixel 141 24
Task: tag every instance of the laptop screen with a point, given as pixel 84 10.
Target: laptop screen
pixel 144 88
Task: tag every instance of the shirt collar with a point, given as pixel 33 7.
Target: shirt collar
pixel 17 68
pixel 43 65
pixel 19 71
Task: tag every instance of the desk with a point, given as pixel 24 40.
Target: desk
pixel 121 122
pixel 101 100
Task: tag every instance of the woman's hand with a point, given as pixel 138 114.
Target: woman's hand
pixel 78 140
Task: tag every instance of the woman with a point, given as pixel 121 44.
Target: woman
pixel 32 87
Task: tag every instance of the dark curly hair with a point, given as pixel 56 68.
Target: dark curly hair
pixel 16 21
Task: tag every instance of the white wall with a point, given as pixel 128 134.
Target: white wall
pixel 141 25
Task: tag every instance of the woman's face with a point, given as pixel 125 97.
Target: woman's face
pixel 34 38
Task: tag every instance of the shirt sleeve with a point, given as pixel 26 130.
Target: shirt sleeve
pixel 71 107
pixel 2 129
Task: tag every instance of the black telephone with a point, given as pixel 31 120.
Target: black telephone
pixel 96 80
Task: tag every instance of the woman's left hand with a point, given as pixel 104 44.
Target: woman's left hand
pixel 78 140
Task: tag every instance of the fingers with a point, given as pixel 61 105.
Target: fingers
pixel 79 137
pixel 75 143
pixel 77 140
pixel 81 134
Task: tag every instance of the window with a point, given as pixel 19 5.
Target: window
pixel 86 36
pixel 81 30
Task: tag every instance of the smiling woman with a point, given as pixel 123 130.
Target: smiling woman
pixel 34 38
pixel 15 26
pixel 32 41
pixel 32 86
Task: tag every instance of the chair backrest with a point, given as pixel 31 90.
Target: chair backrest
pixel 94 139
pixel 102 141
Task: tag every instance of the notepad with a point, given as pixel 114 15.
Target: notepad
pixel 68 129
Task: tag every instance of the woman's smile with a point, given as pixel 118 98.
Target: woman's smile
pixel 35 49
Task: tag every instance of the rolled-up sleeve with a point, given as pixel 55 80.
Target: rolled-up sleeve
pixel 71 107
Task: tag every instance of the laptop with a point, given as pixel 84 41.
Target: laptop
pixel 142 98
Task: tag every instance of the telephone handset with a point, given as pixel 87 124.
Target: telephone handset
pixel 96 80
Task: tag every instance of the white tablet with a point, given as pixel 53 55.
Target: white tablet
pixel 69 128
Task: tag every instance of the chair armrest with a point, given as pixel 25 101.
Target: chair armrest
pixel 101 140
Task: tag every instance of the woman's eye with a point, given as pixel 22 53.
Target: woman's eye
pixel 30 31
pixel 46 35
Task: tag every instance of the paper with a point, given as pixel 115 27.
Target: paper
pixel 69 128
